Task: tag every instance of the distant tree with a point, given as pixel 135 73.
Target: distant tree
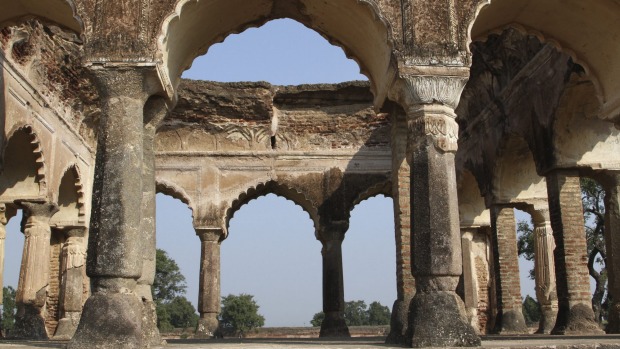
pixel 9 309
pixel 173 309
pixel 169 282
pixel 531 311
pixel 592 199
pixel 378 314
pixel 356 313
pixel 240 314
pixel 317 319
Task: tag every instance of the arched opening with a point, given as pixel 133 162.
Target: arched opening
pixel 353 25
pixel 272 253
pixel 177 237
pixel 368 254
pixel 22 162
pixel 577 28
pixel 70 199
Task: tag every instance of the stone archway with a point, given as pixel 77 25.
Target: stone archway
pixel 355 25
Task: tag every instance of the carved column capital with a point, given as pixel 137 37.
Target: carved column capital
pixel 210 234
pixel 125 82
pixel 438 86
pixel 6 213
pixel 37 213
pixel 434 121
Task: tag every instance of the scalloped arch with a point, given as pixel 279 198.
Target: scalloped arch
pixel 369 42
pixel 383 188
pixel 41 177
pixel 173 190
pixel 587 31
pixel 79 189
pixel 273 187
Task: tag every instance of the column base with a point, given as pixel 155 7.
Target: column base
pixel 438 319
pixel 547 321
pixel 150 332
pixel 399 322
pixel 510 322
pixel 112 320
pixel 29 323
pixel 67 326
pixel 578 320
pixel 334 326
pixel 208 326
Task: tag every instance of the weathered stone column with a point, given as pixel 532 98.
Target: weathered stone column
pixel 34 273
pixel 509 318
pixel 470 288
pixel 405 284
pixel 544 270
pixel 331 235
pixel 437 314
pixel 112 315
pixel 612 247
pixel 73 263
pixel 209 294
pixel 575 315
pixel 6 212
pixel 154 112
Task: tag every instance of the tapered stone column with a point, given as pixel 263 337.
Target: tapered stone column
pixel 405 284
pixel 209 294
pixel 73 264
pixel 154 112
pixel 470 289
pixel 437 314
pixel 6 212
pixel 544 271
pixel 331 235
pixel 34 274
pixel 112 315
pixel 575 315
pixel 612 247
pixel 509 319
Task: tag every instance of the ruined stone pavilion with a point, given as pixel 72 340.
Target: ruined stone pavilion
pixel 473 108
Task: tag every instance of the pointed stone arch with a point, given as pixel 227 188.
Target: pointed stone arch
pixel 357 26
pixel 173 190
pixel 279 189
pixel 382 188
pixel 23 152
pixel 586 31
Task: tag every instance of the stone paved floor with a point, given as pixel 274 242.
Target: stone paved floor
pixel 602 342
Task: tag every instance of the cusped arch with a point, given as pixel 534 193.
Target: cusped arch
pixel 36 152
pixel 62 12
pixel 173 190
pixel 585 30
pixel 71 196
pixel 279 189
pixel 382 188
pixel 355 25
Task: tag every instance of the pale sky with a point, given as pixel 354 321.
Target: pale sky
pixel 271 251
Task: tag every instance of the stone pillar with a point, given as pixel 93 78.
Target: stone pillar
pixel 331 235
pixel 470 283
pixel 209 294
pixel 112 315
pixel 509 319
pixel 612 247
pixel 6 213
pixel 437 314
pixel 73 262
pixel 405 284
pixel 34 273
pixel 575 315
pixel 154 112
pixel 544 271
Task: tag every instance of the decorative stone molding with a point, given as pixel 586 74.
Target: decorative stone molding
pixel 442 86
pixel 436 121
